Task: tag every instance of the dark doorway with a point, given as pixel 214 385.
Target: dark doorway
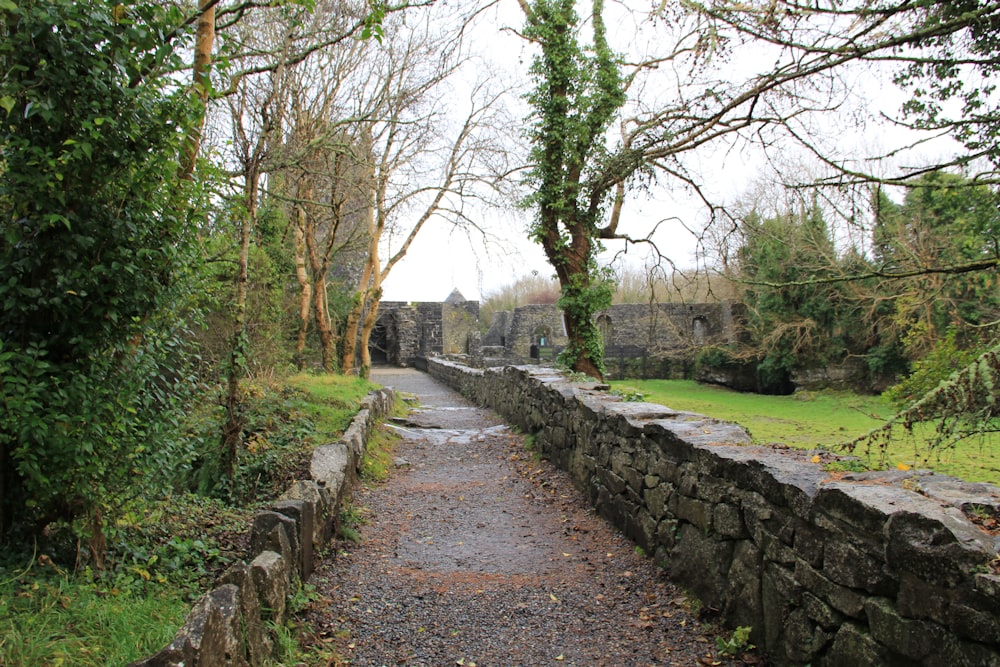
pixel 378 344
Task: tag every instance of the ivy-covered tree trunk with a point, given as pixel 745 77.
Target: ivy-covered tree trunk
pixel 578 92
pixel 232 428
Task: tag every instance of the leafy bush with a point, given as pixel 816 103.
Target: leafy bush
pixel 97 235
pixel 943 359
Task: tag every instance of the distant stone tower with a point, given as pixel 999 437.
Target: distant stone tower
pixel 459 324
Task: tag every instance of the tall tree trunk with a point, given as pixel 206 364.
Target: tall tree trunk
pixel 370 301
pixel 321 315
pixel 580 299
pixel 232 428
pixel 350 352
pixel 582 334
pixel 366 332
pixel 305 298
pixel 202 84
pixel 351 334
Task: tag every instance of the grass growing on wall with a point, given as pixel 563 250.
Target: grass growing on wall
pixel 332 400
pixel 822 419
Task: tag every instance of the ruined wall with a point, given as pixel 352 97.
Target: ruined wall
pixel 396 336
pixel 644 340
pixel 869 569
pixel 496 336
pixel 409 333
pixel 403 337
pixel 431 329
pixel 526 321
pixel 459 321
pixel 656 340
pixel 666 328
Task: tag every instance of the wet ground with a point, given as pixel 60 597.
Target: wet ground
pixel 475 552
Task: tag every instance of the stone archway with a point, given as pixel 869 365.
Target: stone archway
pixel 606 327
pixel 541 343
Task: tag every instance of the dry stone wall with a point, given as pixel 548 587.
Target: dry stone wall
pixel 230 626
pixel 869 569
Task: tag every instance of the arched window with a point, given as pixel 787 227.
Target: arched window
pixel 606 328
pixel 699 330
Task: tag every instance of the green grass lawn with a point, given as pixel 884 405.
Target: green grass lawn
pixel 332 401
pixel 823 419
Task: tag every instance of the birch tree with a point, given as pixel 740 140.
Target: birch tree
pixel 258 95
pixel 427 158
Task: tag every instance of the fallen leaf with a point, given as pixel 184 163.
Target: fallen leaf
pixel 560 657
pixel 902 466
pixel 553 597
pixel 815 459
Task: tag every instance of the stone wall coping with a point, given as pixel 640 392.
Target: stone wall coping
pixel 765 534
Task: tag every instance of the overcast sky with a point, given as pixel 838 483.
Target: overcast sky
pixel 442 259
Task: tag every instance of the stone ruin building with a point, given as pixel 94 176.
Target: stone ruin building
pixel 641 340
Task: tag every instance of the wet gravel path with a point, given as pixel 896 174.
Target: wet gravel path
pixel 476 553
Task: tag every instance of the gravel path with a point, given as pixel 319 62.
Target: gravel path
pixel 475 553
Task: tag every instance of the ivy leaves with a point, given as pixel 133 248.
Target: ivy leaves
pixel 95 238
pixel 578 93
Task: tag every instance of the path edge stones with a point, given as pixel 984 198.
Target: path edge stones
pixel 231 625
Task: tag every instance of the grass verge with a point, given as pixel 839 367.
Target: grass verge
pixel 164 552
pixel 823 420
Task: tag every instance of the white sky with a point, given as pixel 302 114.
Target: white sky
pixel 442 259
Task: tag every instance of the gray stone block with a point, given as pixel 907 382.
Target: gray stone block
pixel 727 522
pixel 302 513
pixel 702 563
pixel 256 640
pixel 323 514
pixel 272 580
pixel 278 533
pixel 915 639
pixel 330 468
pixel 210 637
pixel 938 548
pixel 841 598
pixel 744 605
pixel 853 646
pixel 846 564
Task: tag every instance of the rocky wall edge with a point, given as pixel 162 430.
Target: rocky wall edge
pixel 231 625
pixel 881 568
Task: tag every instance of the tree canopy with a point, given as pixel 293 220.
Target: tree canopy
pixel 195 194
